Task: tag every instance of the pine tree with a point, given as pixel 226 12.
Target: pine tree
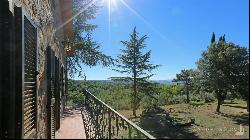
pixel 223 38
pixel 135 63
pixel 186 76
pixel 86 51
pixel 213 38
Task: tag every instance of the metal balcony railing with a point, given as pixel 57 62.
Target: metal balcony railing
pixel 103 122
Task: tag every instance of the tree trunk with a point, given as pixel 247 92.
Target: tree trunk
pixel 134 101
pixel 188 100
pixel 134 88
pixel 247 104
pixel 134 112
pixel 134 95
pixel 134 105
pixel 218 105
pixel 220 97
pixel 187 92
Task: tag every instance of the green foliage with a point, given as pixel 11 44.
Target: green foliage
pixel 149 104
pixel 177 99
pixel 213 38
pixel 86 50
pixel 114 94
pixel 117 97
pixel 240 71
pixel 167 93
pixel 186 77
pixel 208 97
pixel 76 97
pixel 195 97
pixel 221 68
pixel 135 63
pixel 118 94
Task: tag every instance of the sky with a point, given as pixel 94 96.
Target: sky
pixel 178 30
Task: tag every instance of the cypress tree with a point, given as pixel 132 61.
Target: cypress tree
pixel 213 38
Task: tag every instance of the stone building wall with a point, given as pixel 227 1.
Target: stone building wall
pixel 45 16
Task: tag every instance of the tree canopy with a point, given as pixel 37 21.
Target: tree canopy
pixel 222 67
pixel 87 52
pixel 186 77
pixel 136 64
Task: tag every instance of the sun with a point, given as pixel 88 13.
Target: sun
pixel 112 3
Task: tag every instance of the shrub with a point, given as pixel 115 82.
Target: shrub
pixel 208 97
pixel 116 98
pixel 177 99
pixel 76 97
pixel 195 97
pixel 149 103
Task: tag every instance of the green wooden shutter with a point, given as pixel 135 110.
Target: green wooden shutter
pixel 62 90
pixel 4 38
pixel 50 93
pixel 25 76
pixel 30 79
pixel 18 58
pixel 57 94
pixel 19 72
pixel 2 17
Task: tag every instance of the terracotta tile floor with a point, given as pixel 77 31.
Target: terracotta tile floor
pixel 71 126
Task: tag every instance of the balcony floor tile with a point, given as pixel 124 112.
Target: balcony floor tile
pixel 71 126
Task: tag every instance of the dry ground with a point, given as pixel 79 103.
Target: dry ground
pixel 208 124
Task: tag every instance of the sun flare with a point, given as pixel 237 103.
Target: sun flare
pixel 112 3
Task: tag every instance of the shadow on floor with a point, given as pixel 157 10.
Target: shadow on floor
pixel 229 102
pixel 236 106
pixel 196 104
pixel 162 126
pixel 238 119
pixel 70 112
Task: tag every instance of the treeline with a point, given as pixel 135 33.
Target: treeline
pixel 222 70
pixel 222 73
pixel 117 94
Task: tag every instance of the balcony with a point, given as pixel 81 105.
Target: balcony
pixel 96 120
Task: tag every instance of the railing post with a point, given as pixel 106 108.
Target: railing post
pixel 109 128
pixel 138 134
pixel 86 98
pixel 97 133
pixel 129 132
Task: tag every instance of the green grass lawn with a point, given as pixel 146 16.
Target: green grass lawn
pixel 208 124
